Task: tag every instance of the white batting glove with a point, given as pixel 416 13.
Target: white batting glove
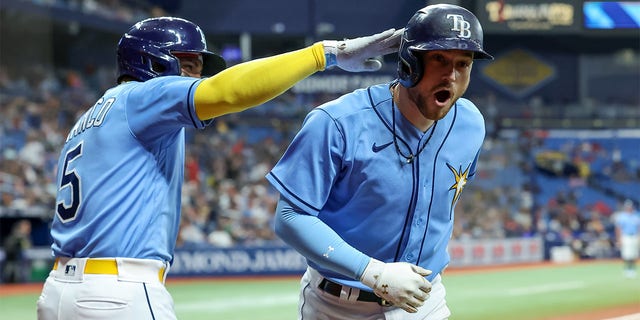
pixel 400 283
pixel 359 54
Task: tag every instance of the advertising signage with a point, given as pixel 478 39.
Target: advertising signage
pixel 530 16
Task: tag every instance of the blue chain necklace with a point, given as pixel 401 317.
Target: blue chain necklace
pixel 407 158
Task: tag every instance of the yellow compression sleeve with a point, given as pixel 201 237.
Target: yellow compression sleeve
pixel 252 83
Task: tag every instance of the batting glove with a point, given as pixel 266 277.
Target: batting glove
pixel 359 54
pixel 400 283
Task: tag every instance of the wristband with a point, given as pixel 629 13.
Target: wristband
pixel 330 53
pixel 332 60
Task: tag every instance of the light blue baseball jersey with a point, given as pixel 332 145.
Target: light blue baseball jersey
pixel 120 172
pixel 343 167
pixel 629 223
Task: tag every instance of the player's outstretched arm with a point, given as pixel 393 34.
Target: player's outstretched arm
pixel 252 83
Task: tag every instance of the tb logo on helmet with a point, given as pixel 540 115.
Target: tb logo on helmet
pixel 459 24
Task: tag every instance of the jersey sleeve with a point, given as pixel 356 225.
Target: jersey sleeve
pixel 162 105
pixel 306 172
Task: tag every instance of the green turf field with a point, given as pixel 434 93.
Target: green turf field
pixel 524 294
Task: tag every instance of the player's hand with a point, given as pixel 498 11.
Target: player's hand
pixel 400 283
pixel 359 54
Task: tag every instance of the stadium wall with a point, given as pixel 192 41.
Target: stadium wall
pixel 282 260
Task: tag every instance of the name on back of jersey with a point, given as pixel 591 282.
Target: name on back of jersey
pixel 94 117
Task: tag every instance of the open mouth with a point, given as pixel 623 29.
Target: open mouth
pixel 443 96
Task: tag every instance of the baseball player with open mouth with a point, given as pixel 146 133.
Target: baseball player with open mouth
pixel 369 184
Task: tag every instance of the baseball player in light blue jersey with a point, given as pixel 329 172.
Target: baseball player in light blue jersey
pixel 121 169
pixel 627 229
pixel 369 183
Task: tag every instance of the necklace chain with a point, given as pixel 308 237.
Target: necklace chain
pixel 411 156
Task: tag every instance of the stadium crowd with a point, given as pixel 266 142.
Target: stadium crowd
pixel 226 200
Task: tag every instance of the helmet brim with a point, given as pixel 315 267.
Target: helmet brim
pixel 212 64
pixel 453 44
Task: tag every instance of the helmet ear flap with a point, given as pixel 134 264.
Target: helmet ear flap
pixel 409 68
pixel 141 60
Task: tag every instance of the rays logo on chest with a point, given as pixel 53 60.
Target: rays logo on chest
pixel 460 178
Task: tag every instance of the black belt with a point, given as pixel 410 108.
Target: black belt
pixel 335 289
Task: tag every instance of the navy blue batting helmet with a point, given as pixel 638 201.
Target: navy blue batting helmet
pixel 146 50
pixel 437 27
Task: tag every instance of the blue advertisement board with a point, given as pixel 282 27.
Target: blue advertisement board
pixel 237 261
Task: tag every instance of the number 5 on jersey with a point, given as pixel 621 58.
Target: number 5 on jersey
pixel 70 179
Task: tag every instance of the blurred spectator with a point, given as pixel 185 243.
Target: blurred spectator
pixel 17 267
pixel 627 223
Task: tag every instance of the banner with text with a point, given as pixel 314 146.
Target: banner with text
pixel 529 16
pixel 237 261
pixel 287 261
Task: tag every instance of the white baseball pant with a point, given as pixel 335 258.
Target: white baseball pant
pixel 317 304
pixel 106 288
pixel 630 247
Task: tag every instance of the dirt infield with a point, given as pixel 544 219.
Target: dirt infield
pixel 16 289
